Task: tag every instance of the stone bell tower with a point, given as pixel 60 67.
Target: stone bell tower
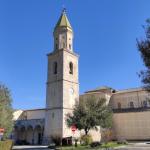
pixel 62 80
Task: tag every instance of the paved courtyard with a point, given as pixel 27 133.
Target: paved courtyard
pixel 136 146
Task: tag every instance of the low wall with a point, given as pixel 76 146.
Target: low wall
pixel 132 125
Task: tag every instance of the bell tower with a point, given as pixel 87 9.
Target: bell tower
pixel 62 80
pixel 63 34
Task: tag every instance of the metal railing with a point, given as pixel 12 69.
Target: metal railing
pixel 138 109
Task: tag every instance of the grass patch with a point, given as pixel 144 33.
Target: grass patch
pixel 6 145
pixel 111 145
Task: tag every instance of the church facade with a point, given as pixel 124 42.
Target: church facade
pixel 39 126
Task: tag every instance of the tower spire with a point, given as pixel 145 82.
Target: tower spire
pixel 63 20
pixel 63 33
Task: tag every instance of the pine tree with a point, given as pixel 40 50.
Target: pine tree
pixel 6 110
pixel 144 48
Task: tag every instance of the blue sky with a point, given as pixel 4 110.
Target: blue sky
pixel 105 33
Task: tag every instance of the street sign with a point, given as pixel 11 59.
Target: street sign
pixel 73 128
pixel 2 130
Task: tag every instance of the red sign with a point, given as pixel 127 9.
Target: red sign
pixel 2 130
pixel 73 128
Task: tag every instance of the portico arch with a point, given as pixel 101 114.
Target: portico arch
pixel 30 134
pixel 16 133
pixel 38 134
pixel 22 133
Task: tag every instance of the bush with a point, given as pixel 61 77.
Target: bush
pixel 22 142
pixel 86 139
pixel 122 142
pixel 52 146
pixel 95 144
pixel 107 135
pixel 56 140
pixel 6 145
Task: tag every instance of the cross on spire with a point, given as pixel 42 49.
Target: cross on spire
pixel 64 10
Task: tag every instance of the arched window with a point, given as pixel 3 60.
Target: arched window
pixel 64 45
pixel 53 115
pixel 71 68
pixel 119 105
pixel 131 105
pixel 56 46
pixel 144 104
pixel 55 68
pixel 69 46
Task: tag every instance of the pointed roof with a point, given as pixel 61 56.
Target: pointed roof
pixel 63 20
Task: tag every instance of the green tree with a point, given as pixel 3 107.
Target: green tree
pixel 89 113
pixel 6 110
pixel 144 48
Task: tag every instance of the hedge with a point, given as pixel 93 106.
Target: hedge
pixel 6 145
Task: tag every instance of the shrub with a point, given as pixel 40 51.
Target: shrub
pixel 86 139
pixel 56 140
pixel 107 135
pixel 52 146
pixel 123 141
pixel 22 142
pixel 6 145
pixel 95 144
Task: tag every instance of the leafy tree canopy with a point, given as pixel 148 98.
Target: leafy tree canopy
pixel 89 113
pixel 5 110
pixel 144 48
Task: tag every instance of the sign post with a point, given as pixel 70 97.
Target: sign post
pixel 73 129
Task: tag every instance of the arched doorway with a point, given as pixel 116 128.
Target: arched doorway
pixel 38 135
pixel 16 134
pixel 29 137
pixel 22 135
